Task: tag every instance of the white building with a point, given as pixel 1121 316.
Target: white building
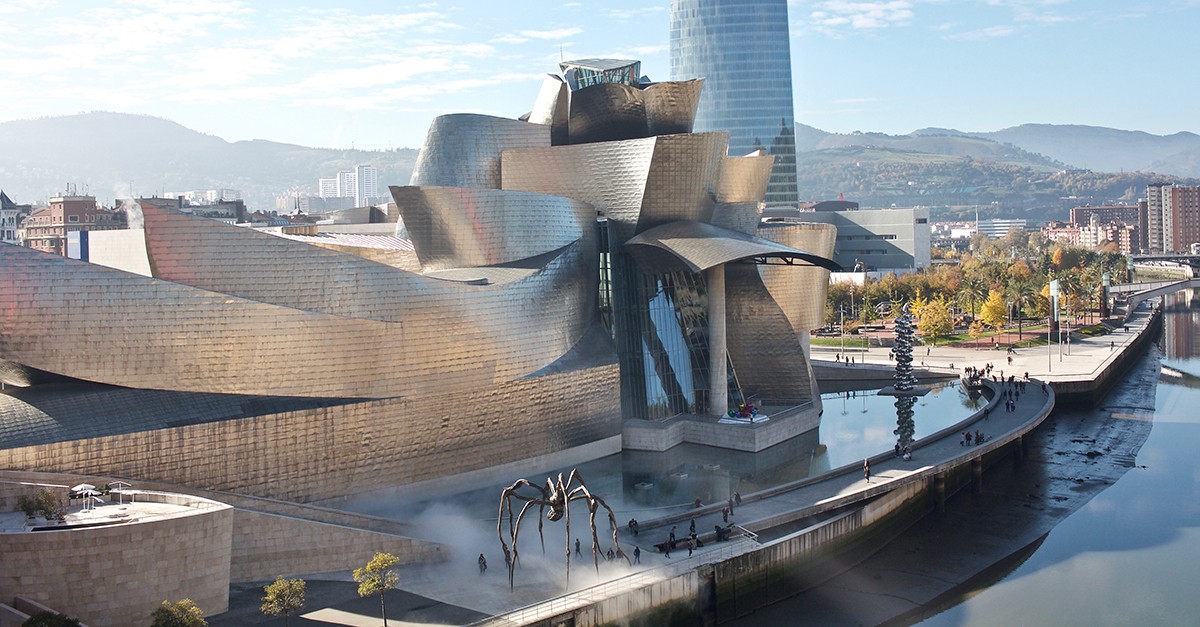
pixel 366 185
pixel 347 184
pixel 327 188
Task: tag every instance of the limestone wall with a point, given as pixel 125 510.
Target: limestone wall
pixel 266 546
pixel 332 452
pixel 118 575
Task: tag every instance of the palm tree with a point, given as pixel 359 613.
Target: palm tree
pixel 1021 294
pixel 974 288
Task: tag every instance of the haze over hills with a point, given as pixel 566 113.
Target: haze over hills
pixel 107 154
pixel 1032 171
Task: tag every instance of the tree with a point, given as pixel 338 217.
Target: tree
pixel 935 321
pixel 179 614
pixel 283 597
pixel 974 289
pixel 1022 295
pixel 377 577
pixel 976 330
pixel 994 313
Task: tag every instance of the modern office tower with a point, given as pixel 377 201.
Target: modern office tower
pixel 741 50
pixel 366 185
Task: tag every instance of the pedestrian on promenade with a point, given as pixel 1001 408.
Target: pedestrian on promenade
pixel 691 545
pixel 637 555
pixel 482 564
pixel 731 506
pixel 577 553
pixel 867 470
pixel 1112 346
pixel 672 535
pixel 667 548
pixel 737 498
pixel 692 527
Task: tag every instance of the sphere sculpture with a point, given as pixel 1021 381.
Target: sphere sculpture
pixel 904 381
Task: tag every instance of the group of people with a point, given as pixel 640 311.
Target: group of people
pixel 973 439
pixel 849 359
pixel 905 453
pixel 633 527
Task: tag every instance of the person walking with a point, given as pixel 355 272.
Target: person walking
pixel 691 545
pixel 667 548
pixel 672 535
pixel 577 553
pixel 637 555
pixel 692 527
pixel 867 470
pixel 482 564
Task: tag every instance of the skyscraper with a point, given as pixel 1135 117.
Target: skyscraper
pixel 366 184
pixel 741 49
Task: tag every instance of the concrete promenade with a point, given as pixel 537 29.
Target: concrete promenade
pixel 785 509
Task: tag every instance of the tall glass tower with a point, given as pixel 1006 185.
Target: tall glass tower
pixel 741 49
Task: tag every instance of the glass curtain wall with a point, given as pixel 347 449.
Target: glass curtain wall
pixel 741 48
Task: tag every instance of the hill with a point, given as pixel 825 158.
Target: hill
pixel 110 153
pixel 942 144
pixel 1099 148
pixel 882 177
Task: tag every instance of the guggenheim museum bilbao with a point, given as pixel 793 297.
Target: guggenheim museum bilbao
pixel 590 277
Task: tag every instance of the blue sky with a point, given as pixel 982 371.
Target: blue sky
pixel 373 74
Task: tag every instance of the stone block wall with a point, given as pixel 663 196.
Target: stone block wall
pixel 118 575
pixel 266 546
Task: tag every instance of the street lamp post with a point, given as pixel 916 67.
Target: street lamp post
pixel 1050 327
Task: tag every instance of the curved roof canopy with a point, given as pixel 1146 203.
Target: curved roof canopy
pixel 691 246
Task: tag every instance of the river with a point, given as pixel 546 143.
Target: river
pixel 1100 525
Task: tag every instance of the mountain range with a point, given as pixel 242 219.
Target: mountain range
pixel 1033 170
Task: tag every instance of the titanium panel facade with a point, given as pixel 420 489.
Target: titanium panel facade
pixel 551 108
pixel 764 350
pixel 671 106
pixel 687 246
pixel 607 112
pixel 456 227
pixel 149 333
pixel 741 48
pixel 744 179
pixel 463 149
pixel 801 291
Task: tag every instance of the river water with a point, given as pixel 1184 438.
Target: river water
pixel 1100 526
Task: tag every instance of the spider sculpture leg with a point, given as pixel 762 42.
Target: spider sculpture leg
pixel 514 523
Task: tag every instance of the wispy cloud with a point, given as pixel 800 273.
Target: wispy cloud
pixel 523 36
pixel 1033 11
pixel 832 15
pixel 844 101
pixel 629 14
pixel 991 32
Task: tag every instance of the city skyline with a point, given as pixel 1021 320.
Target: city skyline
pixel 370 75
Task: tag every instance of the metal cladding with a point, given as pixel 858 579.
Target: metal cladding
pixel 765 351
pixel 671 106
pixel 744 179
pixel 456 227
pixel 463 149
pixel 637 184
pixel 271 316
pixel 551 108
pixel 582 73
pixel 696 246
pixel 607 112
pixel 800 291
pixel 615 111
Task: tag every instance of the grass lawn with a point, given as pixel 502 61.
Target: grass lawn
pixel 835 342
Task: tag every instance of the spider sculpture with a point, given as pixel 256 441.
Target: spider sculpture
pixel 555 496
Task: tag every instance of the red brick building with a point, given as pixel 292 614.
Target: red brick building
pixel 46 229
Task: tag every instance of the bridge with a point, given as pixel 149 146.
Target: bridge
pixel 1187 258
pixel 1137 292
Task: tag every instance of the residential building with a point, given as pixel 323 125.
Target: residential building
pixel 11 215
pixel 996 228
pixel 1104 214
pixel 1180 218
pixel 347 184
pixel 741 48
pixel 1154 217
pixel 1062 233
pixel 327 188
pixel 366 185
pixel 46 229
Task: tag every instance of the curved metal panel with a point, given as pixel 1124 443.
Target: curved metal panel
pixel 635 183
pixel 671 106
pixel 742 217
pixel 800 291
pixel 149 333
pixel 743 179
pixel 681 175
pixel 607 112
pixel 455 227
pixel 551 108
pixel 765 351
pixel 697 246
pixel 610 176
pixel 463 149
